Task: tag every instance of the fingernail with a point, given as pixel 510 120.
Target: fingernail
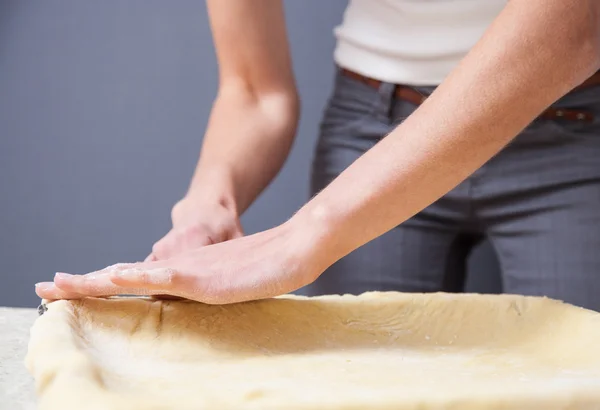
pixel 62 275
pixel 42 285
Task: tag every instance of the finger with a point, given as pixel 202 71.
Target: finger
pixel 154 278
pixel 239 229
pixel 49 291
pixel 178 241
pixel 94 285
pixel 190 242
pixel 97 283
pixel 237 233
pixel 88 285
pixel 150 258
pixel 165 247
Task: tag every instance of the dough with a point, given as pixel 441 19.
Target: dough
pixel 376 351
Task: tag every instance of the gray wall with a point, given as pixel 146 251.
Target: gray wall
pixel 102 109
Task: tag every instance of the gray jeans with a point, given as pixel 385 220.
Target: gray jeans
pixel 537 201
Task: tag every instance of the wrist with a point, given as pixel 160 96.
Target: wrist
pixel 317 238
pixel 208 198
pixel 210 187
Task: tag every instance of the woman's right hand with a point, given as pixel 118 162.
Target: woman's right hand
pixel 197 223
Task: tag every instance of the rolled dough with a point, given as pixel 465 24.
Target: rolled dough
pixel 376 351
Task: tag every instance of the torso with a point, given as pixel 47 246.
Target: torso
pixel 413 42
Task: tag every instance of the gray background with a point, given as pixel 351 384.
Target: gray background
pixel 102 109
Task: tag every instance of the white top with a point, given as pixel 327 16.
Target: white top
pixel 413 42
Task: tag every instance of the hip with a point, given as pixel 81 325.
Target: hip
pixel 358 115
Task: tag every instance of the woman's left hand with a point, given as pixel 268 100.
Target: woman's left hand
pixel 267 264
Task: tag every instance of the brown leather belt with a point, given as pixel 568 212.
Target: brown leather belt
pixel 409 94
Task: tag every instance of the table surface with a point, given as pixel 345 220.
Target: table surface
pixel 16 385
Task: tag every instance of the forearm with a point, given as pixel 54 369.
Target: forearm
pixel 246 143
pixel 535 52
pixel 254 117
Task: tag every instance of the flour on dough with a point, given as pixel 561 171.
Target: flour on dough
pixel 376 351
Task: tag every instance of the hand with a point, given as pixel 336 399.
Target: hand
pixel 196 224
pixel 263 265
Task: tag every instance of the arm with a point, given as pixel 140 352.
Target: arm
pixel 250 129
pixel 254 118
pixel 536 51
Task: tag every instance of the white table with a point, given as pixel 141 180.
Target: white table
pixel 16 385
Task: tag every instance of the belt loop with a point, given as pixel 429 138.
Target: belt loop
pixel 386 99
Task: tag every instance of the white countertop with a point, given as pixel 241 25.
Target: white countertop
pixel 16 385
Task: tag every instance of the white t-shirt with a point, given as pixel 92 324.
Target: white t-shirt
pixel 414 42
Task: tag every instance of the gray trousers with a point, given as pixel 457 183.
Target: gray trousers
pixel 537 201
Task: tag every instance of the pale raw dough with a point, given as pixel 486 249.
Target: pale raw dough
pixel 375 351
